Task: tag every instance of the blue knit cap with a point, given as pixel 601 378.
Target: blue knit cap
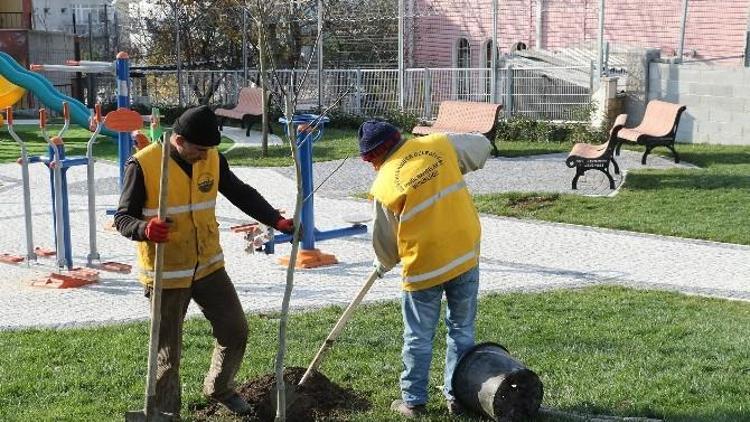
pixel 374 133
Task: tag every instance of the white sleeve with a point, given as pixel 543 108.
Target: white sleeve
pixel 384 229
pixel 472 149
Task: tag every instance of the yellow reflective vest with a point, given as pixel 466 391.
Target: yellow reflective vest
pixel 193 250
pixel 438 232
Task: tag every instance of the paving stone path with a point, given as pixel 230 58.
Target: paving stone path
pixel 516 255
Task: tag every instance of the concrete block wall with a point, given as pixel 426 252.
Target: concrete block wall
pixel 717 100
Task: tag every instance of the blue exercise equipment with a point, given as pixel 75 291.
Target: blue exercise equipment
pixel 309 128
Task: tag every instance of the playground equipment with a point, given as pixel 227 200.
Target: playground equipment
pixel 309 129
pixel 120 120
pixel 24 162
pixel 9 93
pixel 21 78
pixel 121 67
pixel 60 212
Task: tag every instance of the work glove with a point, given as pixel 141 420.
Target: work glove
pixel 285 225
pixel 157 230
pixel 379 268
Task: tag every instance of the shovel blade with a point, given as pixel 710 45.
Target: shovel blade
pixel 141 416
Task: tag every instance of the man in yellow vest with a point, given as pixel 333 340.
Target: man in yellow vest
pixel 193 262
pixel 426 220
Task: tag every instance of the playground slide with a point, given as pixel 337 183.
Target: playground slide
pixel 44 91
pixel 9 93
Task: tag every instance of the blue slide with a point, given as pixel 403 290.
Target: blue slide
pixel 45 92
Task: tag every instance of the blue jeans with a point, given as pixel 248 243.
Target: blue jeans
pixel 421 311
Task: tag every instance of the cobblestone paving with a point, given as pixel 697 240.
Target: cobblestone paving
pixel 516 255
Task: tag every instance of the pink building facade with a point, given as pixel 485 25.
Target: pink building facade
pixel 458 33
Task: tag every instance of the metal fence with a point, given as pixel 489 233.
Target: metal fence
pixel 552 93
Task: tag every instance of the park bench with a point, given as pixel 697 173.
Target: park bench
pixel 248 110
pixel 589 156
pixel 658 128
pixel 464 117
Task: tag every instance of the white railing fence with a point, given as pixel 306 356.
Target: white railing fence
pixel 550 93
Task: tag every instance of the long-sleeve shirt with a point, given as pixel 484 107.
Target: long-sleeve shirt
pixel 472 151
pixel 129 216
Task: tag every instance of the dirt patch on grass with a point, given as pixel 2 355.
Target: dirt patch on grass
pixel 318 399
pixel 531 203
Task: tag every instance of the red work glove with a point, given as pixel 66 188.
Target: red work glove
pixel 285 225
pixel 157 230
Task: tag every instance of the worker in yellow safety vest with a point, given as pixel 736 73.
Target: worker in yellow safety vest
pixel 193 262
pixel 426 220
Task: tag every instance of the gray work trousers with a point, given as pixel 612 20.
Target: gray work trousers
pixel 217 299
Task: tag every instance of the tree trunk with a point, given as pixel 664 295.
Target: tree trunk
pixel 264 86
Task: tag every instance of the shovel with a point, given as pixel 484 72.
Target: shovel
pixel 343 319
pixel 151 413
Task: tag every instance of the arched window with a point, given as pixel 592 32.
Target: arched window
pixel 463 61
pixel 487 54
pixel 487 64
pixel 463 53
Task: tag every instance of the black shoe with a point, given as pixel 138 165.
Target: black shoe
pixel 408 411
pixel 236 405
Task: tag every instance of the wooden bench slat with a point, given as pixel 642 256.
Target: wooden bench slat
pixel 464 117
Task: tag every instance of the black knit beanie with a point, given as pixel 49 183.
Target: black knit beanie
pixel 198 125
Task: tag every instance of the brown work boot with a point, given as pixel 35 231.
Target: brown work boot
pixel 236 404
pixel 408 411
pixel 454 408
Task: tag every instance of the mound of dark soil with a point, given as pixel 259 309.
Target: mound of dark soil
pixel 319 398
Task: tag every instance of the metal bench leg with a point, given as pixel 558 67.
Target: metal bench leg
pixel 579 173
pixel 614 163
pixel 249 125
pixel 221 123
pixel 609 176
pixel 617 148
pixel 674 153
pixel 645 154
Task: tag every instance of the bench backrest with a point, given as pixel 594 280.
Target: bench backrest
pixel 618 123
pixel 661 118
pixel 250 98
pixel 466 116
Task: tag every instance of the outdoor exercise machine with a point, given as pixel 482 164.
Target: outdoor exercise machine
pixel 24 162
pixel 309 129
pixel 120 120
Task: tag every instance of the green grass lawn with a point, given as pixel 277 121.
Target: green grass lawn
pixel 75 138
pixel 517 149
pixel 710 203
pixel 75 142
pixel 601 350
pixel 335 144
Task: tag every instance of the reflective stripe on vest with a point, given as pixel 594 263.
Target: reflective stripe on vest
pixel 152 212
pixel 167 275
pixel 442 270
pixel 432 200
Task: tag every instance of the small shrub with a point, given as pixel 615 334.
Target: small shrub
pixel 520 128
